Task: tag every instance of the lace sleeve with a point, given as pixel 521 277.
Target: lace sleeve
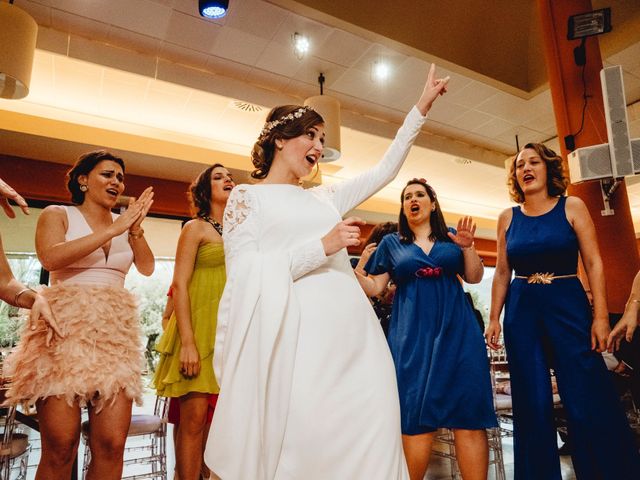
pixel 240 217
pixel 306 258
pixel 241 233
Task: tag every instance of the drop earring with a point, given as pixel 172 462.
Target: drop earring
pixel 83 188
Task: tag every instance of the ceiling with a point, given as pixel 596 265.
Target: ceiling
pixel 156 80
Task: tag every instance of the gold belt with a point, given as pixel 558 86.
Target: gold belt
pixel 544 278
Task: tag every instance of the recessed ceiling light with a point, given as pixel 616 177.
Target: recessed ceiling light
pixel 381 70
pixel 300 45
pixel 213 9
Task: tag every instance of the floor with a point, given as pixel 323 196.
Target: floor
pixel 439 468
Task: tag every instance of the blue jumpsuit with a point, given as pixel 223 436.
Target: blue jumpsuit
pixel 549 326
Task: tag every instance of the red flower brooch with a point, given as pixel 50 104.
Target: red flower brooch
pixel 428 272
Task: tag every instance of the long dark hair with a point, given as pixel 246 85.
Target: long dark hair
pixel 288 127
pixel 199 193
pixel 83 166
pixel 439 228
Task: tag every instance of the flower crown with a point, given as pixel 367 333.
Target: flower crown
pixel 282 120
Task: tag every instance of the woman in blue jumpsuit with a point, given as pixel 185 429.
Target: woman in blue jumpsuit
pixel 548 323
pixel 439 353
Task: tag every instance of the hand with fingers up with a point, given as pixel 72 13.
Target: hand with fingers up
pixel 432 90
pixel 465 233
pixel 135 213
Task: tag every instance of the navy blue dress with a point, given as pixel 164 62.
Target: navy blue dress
pixel 549 325
pixel 439 353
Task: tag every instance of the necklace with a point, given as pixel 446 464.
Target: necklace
pixel 214 224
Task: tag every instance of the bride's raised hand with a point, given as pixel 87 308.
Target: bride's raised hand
pixel 432 90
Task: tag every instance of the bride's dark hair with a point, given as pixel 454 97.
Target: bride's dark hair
pixel 264 149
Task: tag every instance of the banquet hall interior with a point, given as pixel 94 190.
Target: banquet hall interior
pixel 171 92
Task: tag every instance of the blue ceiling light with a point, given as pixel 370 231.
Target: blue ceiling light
pixel 213 9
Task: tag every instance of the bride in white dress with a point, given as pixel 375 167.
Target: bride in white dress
pixel 308 387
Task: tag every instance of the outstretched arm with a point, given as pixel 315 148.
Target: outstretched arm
pixel 348 194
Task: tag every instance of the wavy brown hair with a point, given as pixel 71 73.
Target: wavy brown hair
pixel 264 149
pixel 557 180
pixel 439 230
pixel 85 164
pixel 199 193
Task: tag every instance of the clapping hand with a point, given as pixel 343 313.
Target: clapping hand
pixel 464 236
pixel 432 89
pixel 135 213
pixel 6 193
pixel 145 201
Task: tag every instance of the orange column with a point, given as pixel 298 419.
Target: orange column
pixel 616 236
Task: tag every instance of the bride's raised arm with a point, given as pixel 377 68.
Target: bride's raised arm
pixel 350 193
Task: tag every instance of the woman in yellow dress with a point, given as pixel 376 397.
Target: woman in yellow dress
pixel 185 369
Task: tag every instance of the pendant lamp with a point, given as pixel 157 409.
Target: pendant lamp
pixel 329 108
pixel 18 32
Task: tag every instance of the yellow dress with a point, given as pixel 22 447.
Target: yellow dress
pixel 205 289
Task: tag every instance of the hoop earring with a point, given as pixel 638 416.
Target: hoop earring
pixel 83 188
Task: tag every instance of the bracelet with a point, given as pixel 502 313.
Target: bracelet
pixel 19 294
pixel 137 234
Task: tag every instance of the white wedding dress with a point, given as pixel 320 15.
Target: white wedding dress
pixel 308 388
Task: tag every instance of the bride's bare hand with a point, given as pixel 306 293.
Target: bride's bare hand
pixel 344 234
pixel 432 90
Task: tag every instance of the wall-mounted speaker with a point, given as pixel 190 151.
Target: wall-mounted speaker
pixel 590 163
pixel 615 108
pixel 635 150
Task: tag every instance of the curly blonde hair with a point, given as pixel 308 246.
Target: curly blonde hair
pixel 557 180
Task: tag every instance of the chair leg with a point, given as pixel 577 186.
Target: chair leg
pixel 86 460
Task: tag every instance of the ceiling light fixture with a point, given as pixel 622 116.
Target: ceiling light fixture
pixel 18 32
pixel 329 108
pixel 380 70
pixel 213 9
pixel 300 45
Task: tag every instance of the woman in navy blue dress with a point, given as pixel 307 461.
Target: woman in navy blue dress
pixel 548 323
pixel 439 353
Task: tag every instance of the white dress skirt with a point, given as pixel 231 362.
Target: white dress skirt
pixel 308 386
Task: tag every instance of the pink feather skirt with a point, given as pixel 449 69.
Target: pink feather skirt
pixel 100 355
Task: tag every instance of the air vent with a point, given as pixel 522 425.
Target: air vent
pixel 246 107
pixel 462 161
